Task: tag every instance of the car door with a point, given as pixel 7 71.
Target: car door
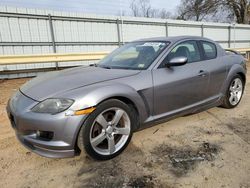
pixel 215 66
pixel 179 87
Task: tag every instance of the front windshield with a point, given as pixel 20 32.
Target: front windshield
pixel 134 55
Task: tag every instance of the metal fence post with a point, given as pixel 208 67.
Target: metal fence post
pixel 166 25
pixel 52 36
pixel 234 34
pixel 118 32
pixel 229 36
pixel 202 30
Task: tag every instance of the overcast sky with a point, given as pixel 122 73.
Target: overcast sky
pixel 88 6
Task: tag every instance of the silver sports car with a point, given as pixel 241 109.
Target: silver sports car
pixel 97 108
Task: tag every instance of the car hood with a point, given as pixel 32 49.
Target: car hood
pixel 51 84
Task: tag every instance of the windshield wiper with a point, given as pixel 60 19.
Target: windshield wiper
pixel 96 65
pixel 106 67
pixel 93 65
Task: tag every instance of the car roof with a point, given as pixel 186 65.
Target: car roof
pixel 173 39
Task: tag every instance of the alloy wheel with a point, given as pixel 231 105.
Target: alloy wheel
pixel 235 91
pixel 110 131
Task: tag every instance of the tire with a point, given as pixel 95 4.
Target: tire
pixel 113 133
pixel 234 92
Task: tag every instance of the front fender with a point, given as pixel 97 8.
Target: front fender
pixel 90 96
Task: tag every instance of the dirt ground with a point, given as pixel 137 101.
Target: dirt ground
pixel 208 149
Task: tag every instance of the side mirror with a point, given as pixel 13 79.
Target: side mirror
pixel 177 61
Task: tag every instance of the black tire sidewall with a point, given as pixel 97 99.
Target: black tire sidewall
pixel 86 127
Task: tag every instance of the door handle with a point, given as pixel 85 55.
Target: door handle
pixel 202 73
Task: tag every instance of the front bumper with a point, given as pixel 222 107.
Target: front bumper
pixel 27 124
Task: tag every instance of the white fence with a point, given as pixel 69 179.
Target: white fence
pixel 35 31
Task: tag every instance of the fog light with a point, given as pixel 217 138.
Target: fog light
pixel 44 135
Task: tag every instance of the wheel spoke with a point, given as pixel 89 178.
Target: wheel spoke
pixel 232 87
pixel 97 140
pixel 111 144
pixel 236 99
pixel 123 131
pixel 238 82
pixel 231 98
pixel 234 84
pixel 117 117
pixel 102 121
pixel 239 88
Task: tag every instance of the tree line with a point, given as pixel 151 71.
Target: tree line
pixel 197 10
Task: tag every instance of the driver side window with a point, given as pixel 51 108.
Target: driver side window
pixel 188 49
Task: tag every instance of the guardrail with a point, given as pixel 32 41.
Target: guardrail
pixel 48 58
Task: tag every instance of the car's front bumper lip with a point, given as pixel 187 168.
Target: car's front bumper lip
pixel 26 124
pixel 42 149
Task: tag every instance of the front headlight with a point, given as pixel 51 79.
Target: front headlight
pixel 52 106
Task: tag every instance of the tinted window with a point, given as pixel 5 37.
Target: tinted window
pixel 187 49
pixel 209 50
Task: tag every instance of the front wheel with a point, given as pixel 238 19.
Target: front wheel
pixel 234 92
pixel 108 130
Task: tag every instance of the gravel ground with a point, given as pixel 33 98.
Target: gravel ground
pixel 208 149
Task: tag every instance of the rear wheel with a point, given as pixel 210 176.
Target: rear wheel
pixel 108 130
pixel 234 92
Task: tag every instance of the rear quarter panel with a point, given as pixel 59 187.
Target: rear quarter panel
pixel 236 65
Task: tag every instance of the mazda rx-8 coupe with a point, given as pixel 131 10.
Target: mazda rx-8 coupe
pixel 97 108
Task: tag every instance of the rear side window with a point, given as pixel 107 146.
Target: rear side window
pixel 209 48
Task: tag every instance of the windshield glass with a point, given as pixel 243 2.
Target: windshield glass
pixel 135 55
